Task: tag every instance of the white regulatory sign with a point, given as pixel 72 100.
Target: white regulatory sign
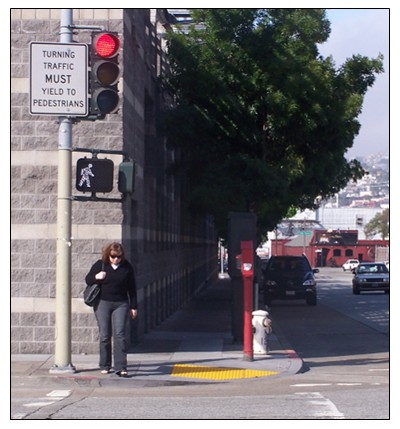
pixel 58 79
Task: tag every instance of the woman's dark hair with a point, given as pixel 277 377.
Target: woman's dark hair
pixel 112 247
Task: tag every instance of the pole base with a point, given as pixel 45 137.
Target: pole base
pixel 248 358
pixel 68 369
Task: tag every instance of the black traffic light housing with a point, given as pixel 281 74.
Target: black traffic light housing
pixel 104 74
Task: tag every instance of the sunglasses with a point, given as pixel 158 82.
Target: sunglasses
pixel 115 256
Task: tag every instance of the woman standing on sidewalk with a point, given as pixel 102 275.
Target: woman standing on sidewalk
pixel 117 300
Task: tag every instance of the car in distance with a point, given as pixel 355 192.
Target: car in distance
pixel 350 264
pixel 289 277
pixel 371 276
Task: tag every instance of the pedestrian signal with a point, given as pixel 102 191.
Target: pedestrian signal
pixel 94 175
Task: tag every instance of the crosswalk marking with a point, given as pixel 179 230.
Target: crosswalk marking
pixel 321 407
pixel 51 398
pixel 59 393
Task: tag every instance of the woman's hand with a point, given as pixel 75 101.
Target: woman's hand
pixel 100 276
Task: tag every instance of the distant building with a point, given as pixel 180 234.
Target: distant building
pixel 328 236
pixel 351 218
pixel 331 247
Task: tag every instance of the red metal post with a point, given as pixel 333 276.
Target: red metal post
pixel 248 275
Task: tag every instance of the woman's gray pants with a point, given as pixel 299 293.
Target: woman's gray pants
pixel 111 318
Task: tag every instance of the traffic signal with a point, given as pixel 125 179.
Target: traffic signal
pixel 105 73
pixel 94 175
pixel 126 177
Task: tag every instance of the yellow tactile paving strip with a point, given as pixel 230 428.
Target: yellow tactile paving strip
pixel 215 373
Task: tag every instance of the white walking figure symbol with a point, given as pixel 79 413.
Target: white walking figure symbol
pixel 85 175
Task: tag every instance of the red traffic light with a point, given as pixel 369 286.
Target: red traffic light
pixel 106 45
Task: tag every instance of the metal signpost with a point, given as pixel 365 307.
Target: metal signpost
pixel 59 86
pixel 62 356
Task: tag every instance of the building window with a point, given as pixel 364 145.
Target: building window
pixel 348 252
pixel 337 252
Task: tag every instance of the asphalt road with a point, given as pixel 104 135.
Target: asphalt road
pixel 344 343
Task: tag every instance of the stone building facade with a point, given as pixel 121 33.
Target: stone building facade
pixel 173 251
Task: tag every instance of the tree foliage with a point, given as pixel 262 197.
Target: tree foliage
pixel 379 224
pixel 262 120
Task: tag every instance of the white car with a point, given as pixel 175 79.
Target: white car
pixel 350 264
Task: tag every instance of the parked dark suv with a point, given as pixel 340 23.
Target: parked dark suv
pixel 289 277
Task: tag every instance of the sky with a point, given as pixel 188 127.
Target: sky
pixel 365 32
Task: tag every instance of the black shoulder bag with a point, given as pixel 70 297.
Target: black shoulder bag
pixel 91 294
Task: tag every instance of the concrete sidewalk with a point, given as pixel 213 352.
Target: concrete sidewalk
pixel 194 345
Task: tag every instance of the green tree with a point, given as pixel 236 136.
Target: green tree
pixel 262 120
pixel 379 224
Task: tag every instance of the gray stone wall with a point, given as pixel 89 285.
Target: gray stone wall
pixel 173 251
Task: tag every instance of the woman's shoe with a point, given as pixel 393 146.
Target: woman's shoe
pixel 122 373
pixel 105 371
